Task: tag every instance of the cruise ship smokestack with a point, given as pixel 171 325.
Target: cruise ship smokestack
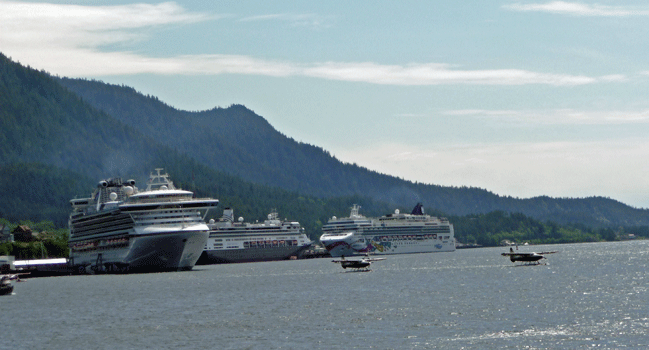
pixel 228 214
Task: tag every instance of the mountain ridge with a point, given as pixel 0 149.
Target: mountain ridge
pixel 93 129
pixel 326 176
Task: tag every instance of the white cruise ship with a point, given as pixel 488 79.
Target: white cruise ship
pixel 234 242
pixel 390 234
pixel 120 229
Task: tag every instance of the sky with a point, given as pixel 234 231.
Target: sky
pixel 522 98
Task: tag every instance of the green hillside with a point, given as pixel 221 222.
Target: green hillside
pixel 237 141
pixel 56 147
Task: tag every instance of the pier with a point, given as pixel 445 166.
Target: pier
pixel 42 267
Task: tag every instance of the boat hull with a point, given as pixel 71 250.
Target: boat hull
pixel 351 245
pixel 165 251
pixel 6 289
pixel 225 256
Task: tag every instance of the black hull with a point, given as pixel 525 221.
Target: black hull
pixel 6 290
pixel 249 255
pixel 173 251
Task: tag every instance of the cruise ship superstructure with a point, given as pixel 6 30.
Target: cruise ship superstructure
pixel 389 234
pixel 121 229
pixel 233 241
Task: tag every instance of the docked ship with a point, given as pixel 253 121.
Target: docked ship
pixel 233 241
pixel 395 233
pixel 122 229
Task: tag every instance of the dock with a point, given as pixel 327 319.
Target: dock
pixel 42 267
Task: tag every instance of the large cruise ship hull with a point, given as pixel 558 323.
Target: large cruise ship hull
pixel 163 251
pixel 390 234
pixel 350 245
pixel 237 242
pixel 225 256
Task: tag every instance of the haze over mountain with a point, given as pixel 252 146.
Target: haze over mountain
pixel 90 130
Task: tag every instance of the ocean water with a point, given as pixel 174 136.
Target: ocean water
pixel 591 295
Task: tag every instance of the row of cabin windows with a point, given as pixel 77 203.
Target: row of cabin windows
pixel 409 237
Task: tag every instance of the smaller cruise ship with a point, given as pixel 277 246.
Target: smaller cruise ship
pixel 121 229
pixel 233 241
pixel 390 234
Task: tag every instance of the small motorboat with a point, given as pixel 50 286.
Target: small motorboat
pixel 5 284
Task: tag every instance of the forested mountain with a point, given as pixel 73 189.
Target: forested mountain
pixel 237 141
pixel 38 192
pixel 66 134
pixel 56 147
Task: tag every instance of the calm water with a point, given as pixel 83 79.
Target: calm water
pixel 589 295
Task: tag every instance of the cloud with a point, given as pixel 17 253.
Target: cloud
pixel 613 78
pixel 295 20
pixel 436 74
pixel 81 41
pixel 558 169
pixel 579 9
pixel 75 26
pixel 557 116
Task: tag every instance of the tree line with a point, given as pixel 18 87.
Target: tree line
pixel 487 230
pixel 51 242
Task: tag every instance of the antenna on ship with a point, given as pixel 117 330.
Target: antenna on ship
pixel 159 181
pixel 354 212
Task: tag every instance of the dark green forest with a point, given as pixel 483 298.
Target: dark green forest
pixel 61 136
pixel 492 228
